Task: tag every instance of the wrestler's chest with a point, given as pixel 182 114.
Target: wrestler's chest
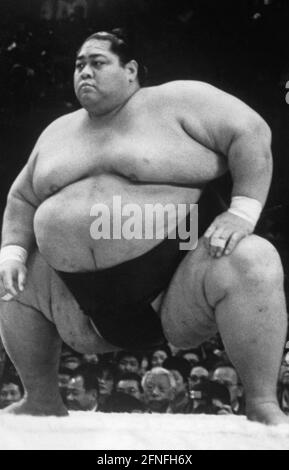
pixel 145 156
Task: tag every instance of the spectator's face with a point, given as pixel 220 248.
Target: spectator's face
pixel 158 392
pixel 223 408
pixel 158 358
pixel 228 377
pixel 101 68
pixel 180 383
pixel 128 364
pixel 197 375
pixel 192 358
pixel 130 387
pixel 105 383
pixel 284 374
pixel 90 358
pixel 63 381
pixel 10 393
pixel 70 362
pixel 78 398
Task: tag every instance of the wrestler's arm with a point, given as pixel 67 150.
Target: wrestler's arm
pixel 17 228
pixel 19 212
pixel 228 126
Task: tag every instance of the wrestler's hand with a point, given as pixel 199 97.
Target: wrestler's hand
pixel 12 277
pixel 225 233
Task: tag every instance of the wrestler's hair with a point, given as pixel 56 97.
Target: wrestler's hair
pixel 159 371
pixel 88 373
pixel 123 47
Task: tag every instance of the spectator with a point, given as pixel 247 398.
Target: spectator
pixel 90 358
pixel 227 376
pixel 120 402
pixel 210 398
pixel 2 359
pixel 11 391
pixel 159 356
pixel 64 376
pixel 191 356
pixel 82 391
pixel 197 375
pixel 70 359
pixel 159 388
pixel 180 368
pixel 130 383
pixel 283 387
pixel 128 361
pixel 106 374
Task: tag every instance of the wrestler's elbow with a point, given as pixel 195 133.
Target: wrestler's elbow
pixel 258 129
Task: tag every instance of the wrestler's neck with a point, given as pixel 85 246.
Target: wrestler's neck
pixel 107 111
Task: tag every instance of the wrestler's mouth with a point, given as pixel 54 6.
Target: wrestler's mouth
pixel 86 85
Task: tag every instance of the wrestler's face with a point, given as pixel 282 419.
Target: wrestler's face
pixel 130 387
pixel 158 392
pixel 10 393
pixel 78 398
pixel 101 82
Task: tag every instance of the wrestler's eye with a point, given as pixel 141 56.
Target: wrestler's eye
pixel 79 66
pixel 98 64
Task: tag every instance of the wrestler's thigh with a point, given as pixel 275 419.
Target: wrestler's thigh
pixel 187 318
pixel 46 292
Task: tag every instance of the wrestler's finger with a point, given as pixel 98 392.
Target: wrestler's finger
pixel 21 280
pixel 222 243
pixel 234 240
pixel 207 235
pixel 8 284
pixel 217 242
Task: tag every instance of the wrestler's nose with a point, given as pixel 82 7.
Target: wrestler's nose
pixel 86 72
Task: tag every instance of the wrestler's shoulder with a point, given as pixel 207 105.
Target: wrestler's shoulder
pixel 181 88
pixel 62 123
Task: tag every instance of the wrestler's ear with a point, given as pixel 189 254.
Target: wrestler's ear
pixel 131 68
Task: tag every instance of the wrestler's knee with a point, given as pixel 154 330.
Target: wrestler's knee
pixel 256 258
pixel 254 262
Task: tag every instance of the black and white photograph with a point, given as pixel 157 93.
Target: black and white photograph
pixel 144 199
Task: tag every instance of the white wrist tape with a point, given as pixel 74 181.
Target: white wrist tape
pixel 247 208
pixel 15 252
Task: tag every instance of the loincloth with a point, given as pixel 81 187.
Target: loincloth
pixel 118 299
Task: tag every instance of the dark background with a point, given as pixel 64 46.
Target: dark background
pixel 240 46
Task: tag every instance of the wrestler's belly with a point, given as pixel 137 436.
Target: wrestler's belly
pixel 68 227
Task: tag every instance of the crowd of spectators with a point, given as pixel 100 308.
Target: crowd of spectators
pixel 163 380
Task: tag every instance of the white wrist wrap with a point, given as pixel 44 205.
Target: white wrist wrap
pixel 13 252
pixel 247 208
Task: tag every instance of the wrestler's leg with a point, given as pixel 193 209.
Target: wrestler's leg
pixel 33 345
pixel 32 326
pixel 244 291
